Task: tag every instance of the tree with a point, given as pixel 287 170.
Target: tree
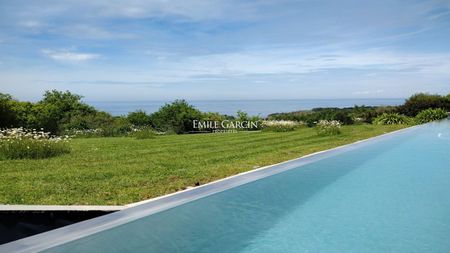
pixel 422 101
pixel 7 115
pixel 57 108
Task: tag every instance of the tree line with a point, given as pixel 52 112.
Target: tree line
pixel 60 111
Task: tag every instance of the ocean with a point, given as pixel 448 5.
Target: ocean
pixel 252 107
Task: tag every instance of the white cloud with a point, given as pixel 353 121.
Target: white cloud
pixel 188 9
pixel 31 24
pixel 91 31
pixel 69 56
pixel 298 61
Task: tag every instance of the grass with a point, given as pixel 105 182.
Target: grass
pixel 111 171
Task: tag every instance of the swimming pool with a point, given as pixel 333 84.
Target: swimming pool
pixel 388 194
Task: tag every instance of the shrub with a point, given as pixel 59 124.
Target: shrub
pixel 84 133
pixel 429 115
pixel 24 116
pixel 177 117
pixel 243 116
pixel 337 114
pixel 423 101
pixel 328 127
pixel 18 143
pixel 281 125
pixel 118 127
pixel 343 115
pixel 144 133
pixel 139 118
pixel 93 120
pixel 7 114
pixel 57 108
pixel 392 119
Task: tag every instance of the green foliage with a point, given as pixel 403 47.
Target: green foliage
pixel 84 133
pixel 430 114
pixel 118 127
pixel 139 118
pixel 347 116
pixel 57 108
pixel 392 119
pixel 243 116
pixel 95 120
pixel 365 114
pixel 145 133
pixel 18 143
pixel 423 101
pixel 24 116
pixel 328 127
pixel 61 112
pixel 330 114
pixel 177 117
pixel 214 116
pixel 99 124
pixel 7 115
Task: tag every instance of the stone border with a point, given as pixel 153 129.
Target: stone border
pixel 47 208
pixel 144 208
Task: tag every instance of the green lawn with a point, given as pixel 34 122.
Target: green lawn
pixel 110 171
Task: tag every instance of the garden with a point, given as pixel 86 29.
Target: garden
pixel 62 151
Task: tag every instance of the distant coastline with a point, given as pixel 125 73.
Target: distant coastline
pixel 252 107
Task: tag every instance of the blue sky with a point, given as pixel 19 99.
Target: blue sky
pixel 162 50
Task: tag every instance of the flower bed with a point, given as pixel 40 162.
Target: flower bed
pixel 20 143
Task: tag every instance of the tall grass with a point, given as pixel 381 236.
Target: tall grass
pixel 143 133
pixel 20 143
pixel 281 125
pixel 328 127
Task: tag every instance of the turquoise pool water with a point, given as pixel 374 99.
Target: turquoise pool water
pixel 392 195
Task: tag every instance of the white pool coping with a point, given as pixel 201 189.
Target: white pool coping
pixel 49 208
pixel 144 208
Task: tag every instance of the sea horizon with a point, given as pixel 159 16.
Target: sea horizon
pixel 261 107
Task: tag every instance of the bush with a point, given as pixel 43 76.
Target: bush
pixel 423 101
pixel 7 114
pixel 392 119
pixel 95 120
pixel 243 116
pixel 84 133
pixel 429 115
pixel 328 127
pixel 57 108
pixel 343 115
pixel 139 118
pixel 144 133
pixel 18 143
pixel 281 125
pixel 330 114
pixel 118 127
pixel 24 114
pixel 177 117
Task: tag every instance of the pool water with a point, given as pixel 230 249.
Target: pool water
pixel 390 196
